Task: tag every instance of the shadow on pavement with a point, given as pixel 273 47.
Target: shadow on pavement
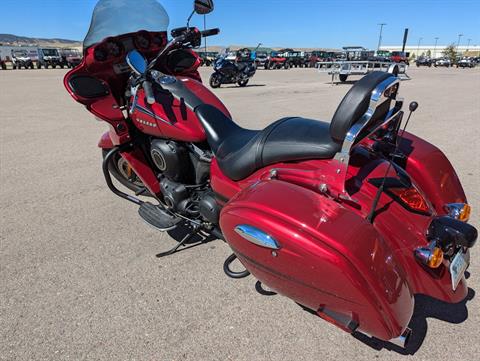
pixel 185 235
pixel 425 307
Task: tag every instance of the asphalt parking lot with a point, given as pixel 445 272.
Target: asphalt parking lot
pixel 79 279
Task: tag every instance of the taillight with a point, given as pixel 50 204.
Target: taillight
pixel 411 198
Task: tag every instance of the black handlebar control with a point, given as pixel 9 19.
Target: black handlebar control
pixel 209 32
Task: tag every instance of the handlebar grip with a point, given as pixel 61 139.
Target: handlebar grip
pixel 147 88
pixel 210 32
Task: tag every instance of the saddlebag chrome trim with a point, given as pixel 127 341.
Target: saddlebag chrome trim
pixel 256 236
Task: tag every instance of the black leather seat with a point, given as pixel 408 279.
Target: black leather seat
pixel 240 152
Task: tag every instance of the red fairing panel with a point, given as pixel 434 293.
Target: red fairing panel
pixel 329 257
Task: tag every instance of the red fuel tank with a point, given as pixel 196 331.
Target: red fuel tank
pixel 172 116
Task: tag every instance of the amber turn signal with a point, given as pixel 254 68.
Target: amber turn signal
pixel 430 256
pixel 460 211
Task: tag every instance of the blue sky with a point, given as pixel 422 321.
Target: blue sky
pixel 301 23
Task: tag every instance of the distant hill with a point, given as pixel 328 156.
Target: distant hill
pixel 10 39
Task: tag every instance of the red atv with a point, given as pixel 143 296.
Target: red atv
pixel 350 218
pixel 400 57
pixel 276 60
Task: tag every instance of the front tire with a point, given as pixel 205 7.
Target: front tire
pixel 343 77
pixel 119 169
pixel 215 80
pixel 243 83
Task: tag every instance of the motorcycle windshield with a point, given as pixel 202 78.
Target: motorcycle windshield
pixel 117 17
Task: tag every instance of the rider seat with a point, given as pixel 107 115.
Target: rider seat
pixel 240 152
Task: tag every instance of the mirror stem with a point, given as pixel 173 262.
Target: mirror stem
pixel 189 18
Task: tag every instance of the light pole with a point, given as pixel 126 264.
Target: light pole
pixel 468 44
pixel 380 35
pixel 418 45
pixel 435 48
pixel 205 28
pixel 458 42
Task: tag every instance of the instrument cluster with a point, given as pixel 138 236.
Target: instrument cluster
pixel 116 48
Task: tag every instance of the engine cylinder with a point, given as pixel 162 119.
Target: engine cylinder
pixel 171 158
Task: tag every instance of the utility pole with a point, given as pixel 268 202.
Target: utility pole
pixel 435 48
pixel 380 36
pixel 418 45
pixel 468 44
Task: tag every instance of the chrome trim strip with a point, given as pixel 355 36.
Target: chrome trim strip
pixel 256 236
pixel 152 114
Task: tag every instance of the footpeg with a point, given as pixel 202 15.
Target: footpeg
pixel 157 217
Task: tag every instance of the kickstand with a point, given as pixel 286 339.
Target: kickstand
pixel 184 240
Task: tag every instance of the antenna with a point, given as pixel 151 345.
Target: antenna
pixel 412 107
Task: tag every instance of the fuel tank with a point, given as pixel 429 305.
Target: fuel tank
pixel 172 116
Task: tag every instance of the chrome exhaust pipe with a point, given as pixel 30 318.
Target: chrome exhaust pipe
pixel 402 340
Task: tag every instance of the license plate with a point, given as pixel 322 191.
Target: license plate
pixel 458 266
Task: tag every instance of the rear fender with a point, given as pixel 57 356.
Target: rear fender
pixel 329 258
pixel 432 172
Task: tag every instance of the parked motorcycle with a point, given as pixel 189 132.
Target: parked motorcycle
pixel 230 72
pixel 350 219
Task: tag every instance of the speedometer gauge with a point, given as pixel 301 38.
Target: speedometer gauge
pixel 115 49
pixel 158 39
pixel 100 54
pixel 142 40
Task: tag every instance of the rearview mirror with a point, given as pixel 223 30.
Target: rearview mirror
pixel 203 7
pixel 137 62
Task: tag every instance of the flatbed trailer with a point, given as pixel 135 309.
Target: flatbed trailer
pixel 344 69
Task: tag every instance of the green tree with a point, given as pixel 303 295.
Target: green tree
pixel 450 52
pixel 429 53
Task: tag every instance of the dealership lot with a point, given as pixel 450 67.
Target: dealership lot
pixel 79 277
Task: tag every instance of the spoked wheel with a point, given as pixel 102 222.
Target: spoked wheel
pixel 121 171
pixel 215 81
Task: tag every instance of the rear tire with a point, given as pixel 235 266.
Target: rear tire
pixel 215 81
pixel 343 77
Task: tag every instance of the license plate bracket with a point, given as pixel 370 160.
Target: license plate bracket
pixel 458 266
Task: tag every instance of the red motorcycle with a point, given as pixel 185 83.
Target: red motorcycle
pixel 350 219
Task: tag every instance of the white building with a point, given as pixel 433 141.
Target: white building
pixel 435 52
